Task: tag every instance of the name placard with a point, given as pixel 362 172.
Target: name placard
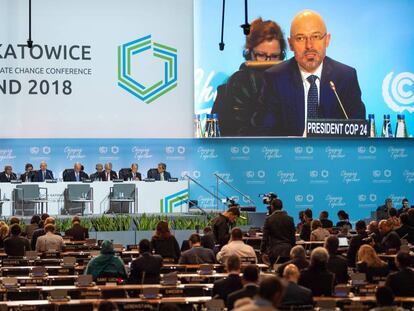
pixel 337 128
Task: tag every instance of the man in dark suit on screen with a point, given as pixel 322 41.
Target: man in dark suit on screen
pixel 299 89
pixel 77 174
pixel 8 174
pixel 43 174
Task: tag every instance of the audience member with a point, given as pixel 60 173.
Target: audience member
pixel 385 300
pixel 317 277
pixel 106 264
pixel 326 223
pixel 337 264
pixel 382 211
pixel 221 225
pixel 197 254
pixel 356 242
pixel 373 231
pixel 370 264
pixel 16 245
pixel 164 243
pixel 271 291
pixel 402 282
pixel 32 227
pixel 4 233
pixel 77 232
pixel 393 218
pixel 297 257
pixel 250 288
pixel 41 231
pixel 405 206
pixel 207 239
pixel 49 241
pixel 305 232
pixel 223 287
pixel 343 220
pixel 236 246
pixel 146 268
pixel 390 241
pixel 405 231
pixel 318 233
pixel 294 293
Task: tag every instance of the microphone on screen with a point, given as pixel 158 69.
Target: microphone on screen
pixel 333 88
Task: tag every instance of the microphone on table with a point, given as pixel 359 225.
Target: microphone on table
pixel 333 88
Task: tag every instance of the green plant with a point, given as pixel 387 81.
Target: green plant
pixel 115 223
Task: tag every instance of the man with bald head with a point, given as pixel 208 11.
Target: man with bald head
pixel 390 240
pixel 299 89
pixel 294 293
pixel 77 174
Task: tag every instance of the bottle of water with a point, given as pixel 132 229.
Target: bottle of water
pixel 372 128
pixel 198 132
pixel 216 125
pixel 386 127
pixel 209 129
pixel 401 129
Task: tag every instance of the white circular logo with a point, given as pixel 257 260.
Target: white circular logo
pixel 114 149
pixel 298 150
pixel 234 150
pixel 309 149
pixel 246 149
pixel 387 173
pixel 261 174
pixel 34 150
pixel 309 198
pixel 46 150
pixel 180 149
pixel 396 91
pixel 103 150
pixel 196 174
pixel 299 198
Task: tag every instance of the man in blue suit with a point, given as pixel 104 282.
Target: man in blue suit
pixel 42 174
pixel 299 89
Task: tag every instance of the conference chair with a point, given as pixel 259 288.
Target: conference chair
pixel 78 196
pixel 122 198
pixel 29 198
pixel 66 172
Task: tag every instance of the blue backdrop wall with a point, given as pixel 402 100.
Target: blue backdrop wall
pixel 355 175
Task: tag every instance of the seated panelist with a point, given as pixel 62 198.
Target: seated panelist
pixel 8 174
pixel 159 173
pixel 99 174
pixel 43 174
pixel 77 174
pixel 109 174
pixel 133 173
pixel 28 174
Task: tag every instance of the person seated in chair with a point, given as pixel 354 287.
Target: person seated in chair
pixel 49 241
pixel 8 174
pixel 159 173
pixel 43 174
pixel 164 243
pixel 197 254
pixel 77 232
pixel 106 264
pixel 133 173
pixel 109 174
pixel 250 288
pixel 15 245
pixel 77 174
pixel 295 294
pixel 146 268
pixel 28 174
pixel 223 287
pixel 236 246
pixel 98 175
pixel 402 282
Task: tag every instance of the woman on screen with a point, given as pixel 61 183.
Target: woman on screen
pixel 237 99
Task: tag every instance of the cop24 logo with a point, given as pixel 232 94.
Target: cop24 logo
pixel 127 77
pixel 396 91
pixel 44 150
pixel 105 149
pixel 73 153
pixel 141 153
pixel 6 154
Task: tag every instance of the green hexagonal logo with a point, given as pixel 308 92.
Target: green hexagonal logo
pixel 166 54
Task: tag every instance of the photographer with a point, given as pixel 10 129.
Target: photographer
pixel 278 235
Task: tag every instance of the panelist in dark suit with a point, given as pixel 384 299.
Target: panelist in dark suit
pixel 299 89
pixel 159 173
pixel 146 268
pixel 28 174
pixel 8 174
pixel 98 175
pixel 133 173
pixel 109 174
pixel 77 174
pixel 43 174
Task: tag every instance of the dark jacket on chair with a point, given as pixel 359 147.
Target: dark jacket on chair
pixel 318 279
pixel 223 287
pixel 197 255
pixel 296 295
pixel 150 264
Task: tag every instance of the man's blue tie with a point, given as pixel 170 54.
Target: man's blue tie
pixel 313 100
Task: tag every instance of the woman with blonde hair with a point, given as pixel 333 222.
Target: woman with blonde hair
pixel 370 264
pixel 4 233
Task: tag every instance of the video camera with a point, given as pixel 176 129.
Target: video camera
pixel 268 197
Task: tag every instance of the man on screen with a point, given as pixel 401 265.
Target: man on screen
pixel 43 174
pixel 299 89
